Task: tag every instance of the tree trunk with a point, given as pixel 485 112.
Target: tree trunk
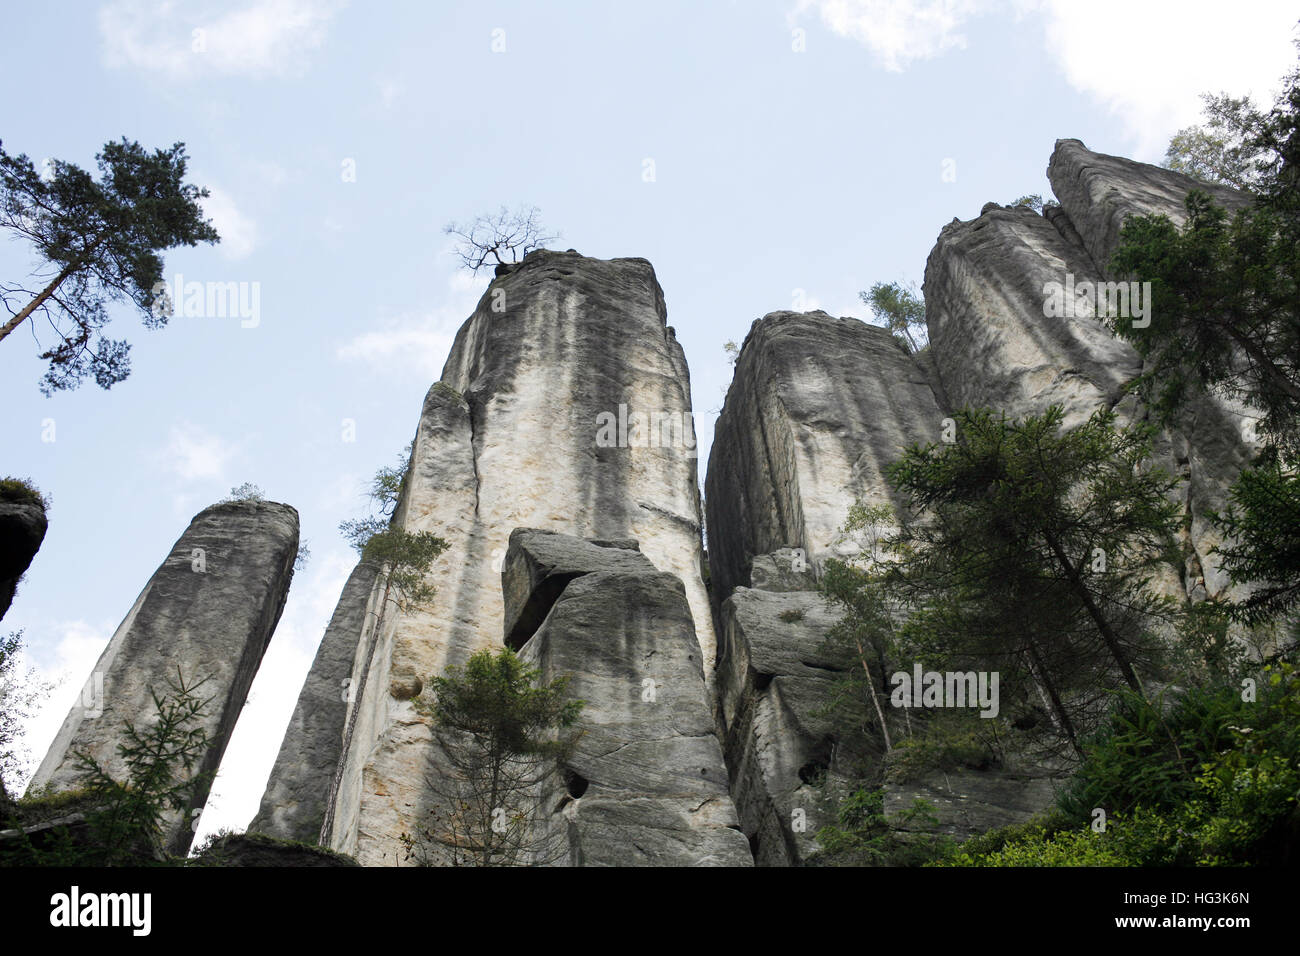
pixel 884 727
pixel 37 302
pixel 1045 685
pixel 1266 366
pixel 1107 632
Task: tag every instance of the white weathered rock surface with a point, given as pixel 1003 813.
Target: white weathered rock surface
pixel 509 439
pixel 208 612
pixel 993 345
pixel 540 564
pixel 817 407
pixel 1098 192
pixel 773 680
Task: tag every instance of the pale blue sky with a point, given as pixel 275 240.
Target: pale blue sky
pixel 783 179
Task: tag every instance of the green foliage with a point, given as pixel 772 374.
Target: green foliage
pixel 1032 548
pixel 864 639
pixel 1037 848
pixel 245 492
pixel 901 309
pixel 1224 312
pixel 160 760
pixel 406 556
pixel 443 388
pixel 495 699
pixel 1261 529
pixel 947 740
pixel 20 692
pixel 1041 826
pixel 791 615
pixel 502 734
pixel 22 489
pixel 864 835
pixel 123 820
pixel 1226 148
pixel 1211 781
pixel 1035 202
pixel 98 241
pixel 1148 755
pixel 230 848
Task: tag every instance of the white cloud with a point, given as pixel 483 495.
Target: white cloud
pixel 418 343
pixel 195 454
pixel 238 232
pixel 1148 62
pixel 264 37
pixel 897 31
pixel 389 92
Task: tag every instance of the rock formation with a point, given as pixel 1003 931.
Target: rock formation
pixel 819 406
pixel 556 457
pixel 22 529
pixel 1098 192
pixel 206 614
pixel 646 784
pixel 564 405
pixel 293 806
pixel 1214 436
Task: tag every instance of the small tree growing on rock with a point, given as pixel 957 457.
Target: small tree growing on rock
pixel 502 735
pixel 901 309
pixel 499 238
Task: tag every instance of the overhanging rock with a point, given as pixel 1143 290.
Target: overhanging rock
pixel 646 784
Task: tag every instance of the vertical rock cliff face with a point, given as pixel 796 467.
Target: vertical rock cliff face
pixel 996 346
pixel 1213 439
pixel 293 806
pixel 208 611
pixel 1098 192
pixel 818 406
pixel 556 457
pixel 646 784
pixel 993 344
pixel 542 419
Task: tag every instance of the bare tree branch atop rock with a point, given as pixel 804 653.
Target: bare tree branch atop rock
pixel 500 238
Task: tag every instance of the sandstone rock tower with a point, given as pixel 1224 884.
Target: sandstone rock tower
pixel 208 612
pixel 556 457
pixel 564 406
pixel 818 406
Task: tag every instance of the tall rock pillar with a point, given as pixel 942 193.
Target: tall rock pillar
pixel 564 405
pixel 207 613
